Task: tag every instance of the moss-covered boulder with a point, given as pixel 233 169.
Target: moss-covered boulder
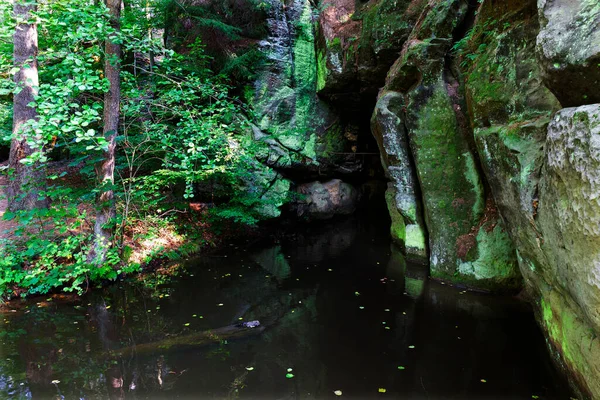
pixel 569 49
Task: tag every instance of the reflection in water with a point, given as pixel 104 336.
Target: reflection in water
pixel 339 310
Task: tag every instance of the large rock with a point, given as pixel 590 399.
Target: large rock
pixel 359 42
pixel 543 206
pixel 324 200
pixel 467 240
pixel 569 49
pixel 569 217
pixel 301 131
pixel 403 199
pixel 510 110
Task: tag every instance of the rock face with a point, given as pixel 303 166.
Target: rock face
pixel 300 130
pixel 541 166
pixel 402 196
pixel 569 218
pixel 569 49
pixel 490 179
pixel 421 126
pixel 324 200
pixel 358 42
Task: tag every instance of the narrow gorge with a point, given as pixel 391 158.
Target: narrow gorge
pixel 485 115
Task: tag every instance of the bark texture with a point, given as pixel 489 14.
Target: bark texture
pixel 106 213
pixel 23 191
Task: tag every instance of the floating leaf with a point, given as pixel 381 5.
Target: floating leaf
pixel 356 293
pixel 382 390
pixel 249 368
pixel 186 324
pixel 411 347
pixel 401 367
pixel 361 307
pixel 387 310
pixel 289 370
pixel 338 392
pixel 289 376
pixel 220 305
pixel 483 381
pixel 55 382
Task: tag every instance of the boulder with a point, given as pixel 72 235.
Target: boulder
pixel 324 200
pixel 569 49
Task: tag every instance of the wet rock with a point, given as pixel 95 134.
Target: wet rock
pixel 324 200
pixel 547 209
pixel 404 204
pixel 467 241
pixel 569 49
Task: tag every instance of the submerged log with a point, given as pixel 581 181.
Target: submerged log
pixel 269 311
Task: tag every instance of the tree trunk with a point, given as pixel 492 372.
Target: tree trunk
pixel 106 213
pixel 27 180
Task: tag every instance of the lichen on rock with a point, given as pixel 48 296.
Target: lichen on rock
pixel 569 49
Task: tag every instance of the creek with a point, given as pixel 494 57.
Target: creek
pixel 339 308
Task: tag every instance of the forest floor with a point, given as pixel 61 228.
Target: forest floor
pixel 154 241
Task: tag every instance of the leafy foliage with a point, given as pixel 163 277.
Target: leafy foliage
pixel 182 138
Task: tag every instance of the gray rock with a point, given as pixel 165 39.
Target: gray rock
pixel 391 136
pixel 569 49
pixel 324 200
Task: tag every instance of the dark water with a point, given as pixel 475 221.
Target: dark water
pixel 341 309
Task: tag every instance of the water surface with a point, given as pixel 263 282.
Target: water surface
pixel 341 311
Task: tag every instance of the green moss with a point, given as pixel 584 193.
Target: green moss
pixel 398 227
pixel 496 259
pixel 577 344
pixel 415 240
pixel 450 195
pixel 472 175
pixel 322 71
